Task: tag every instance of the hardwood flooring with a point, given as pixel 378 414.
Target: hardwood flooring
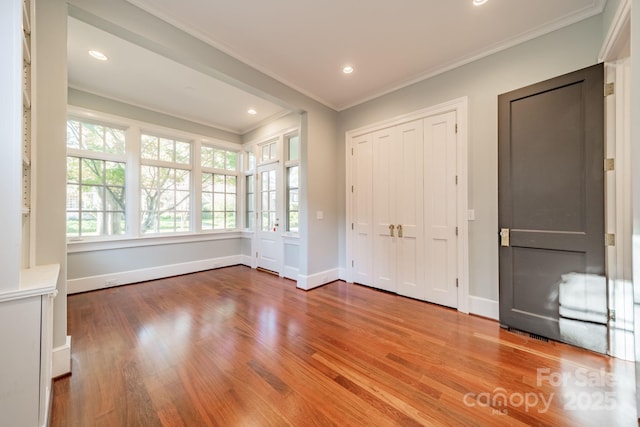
pixel 238 347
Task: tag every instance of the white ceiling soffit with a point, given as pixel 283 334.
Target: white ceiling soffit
pixel 145 79
pixel 391 44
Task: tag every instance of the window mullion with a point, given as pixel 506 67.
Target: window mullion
pixel 132 188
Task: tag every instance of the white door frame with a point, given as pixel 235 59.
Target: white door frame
pixel 460 106
pixel 618 199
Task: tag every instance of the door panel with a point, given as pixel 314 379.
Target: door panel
pixel 363 203
pixel 409 213
pixel 384 209
pixel 551 198
pixel 440 209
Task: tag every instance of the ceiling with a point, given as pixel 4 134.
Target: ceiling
pixel 305 45
pixel 143 78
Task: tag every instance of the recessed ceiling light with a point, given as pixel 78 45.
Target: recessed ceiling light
pixel 98 55
pixel 252 111
pixel 347 69
pixel 479 2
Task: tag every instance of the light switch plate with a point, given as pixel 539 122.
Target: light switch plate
pixel 320 215
pixel 471 214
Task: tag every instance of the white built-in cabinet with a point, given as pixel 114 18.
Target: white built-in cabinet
pixel 26 303
pixel 404 208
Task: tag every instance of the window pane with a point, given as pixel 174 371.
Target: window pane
pixel 115 223
pixel 293 200
pixel 251 161
pixel 294 148
pixel 231 220
pixel 293 222
pixel 207 220
pixel 183 152
pixel 206 157
pixel 92 171
pixel 92 137
pixel 207 202
pixel 230 202
pixel 251 184
pixel 115 198
pixel 150 220
pixel 114 173
pixel 218 183
pixel 167 222
pixel 73 197
pixel 293 176
pixel 182 179
pixel 232 160
pixel 73 169
pixel 218 220
pixel 218 158
pixel 218 201
pixel 167 150
pixel 148 176
pixel 231 184
pixel 207 182
pixel 73 224
pixel 183 201
pixel 114 142
pixel 149 147
pixel 90 223
pixel 73 134
pixel 92 198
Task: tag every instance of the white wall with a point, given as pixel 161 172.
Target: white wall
pixel 560 52
pixel 11 136
pixel 49 168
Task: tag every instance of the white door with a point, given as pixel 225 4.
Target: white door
pixel 384 209
pixel 440 151
pixel 362 169
pixel 268 234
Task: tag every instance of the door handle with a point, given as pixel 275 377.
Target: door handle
pixel 504 237
pixel 399 230
pixel 391 227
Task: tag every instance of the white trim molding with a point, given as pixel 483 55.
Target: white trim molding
pixel 318 279
pixel 61 359
pixel 85 284
pixel 484 307
pixel 617 33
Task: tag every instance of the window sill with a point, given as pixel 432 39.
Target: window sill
pixel 135 242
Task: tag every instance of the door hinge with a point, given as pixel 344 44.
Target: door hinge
pixel 457 283
pixel 456 128
pixel 456 179
pixel 609 164
pixel 609 89
pixel 352 151
pixel 256 254
pixel 353 263
pixel 456 231
pixel 609 239
pixel 352 188
pixel 612 315
pixel 352 226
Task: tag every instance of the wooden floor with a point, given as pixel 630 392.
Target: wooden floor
pixel 238 347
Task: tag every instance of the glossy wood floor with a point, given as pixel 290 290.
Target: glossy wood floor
pixel 238 347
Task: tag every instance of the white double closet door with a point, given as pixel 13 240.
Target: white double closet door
pixel 405 209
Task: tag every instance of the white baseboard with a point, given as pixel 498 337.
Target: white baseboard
pixel 245 260
pixel 290 273
pixel 61 359
pixel 342 274
pixel 85 284
pixel 318 279
pixel 484 307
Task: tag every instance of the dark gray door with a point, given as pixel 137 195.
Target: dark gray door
pixel 551 208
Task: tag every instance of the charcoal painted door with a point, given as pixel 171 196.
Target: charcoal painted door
pixel 551 207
